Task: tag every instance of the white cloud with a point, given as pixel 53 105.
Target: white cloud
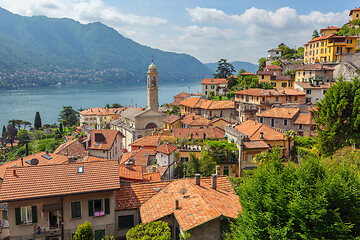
pixel 84 11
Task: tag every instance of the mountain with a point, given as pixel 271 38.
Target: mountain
pixel 47 44
pixel 238 65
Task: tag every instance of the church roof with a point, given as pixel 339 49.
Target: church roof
pixel 130 113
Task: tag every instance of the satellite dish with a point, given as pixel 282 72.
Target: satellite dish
pixel 34 161
pixel 183 191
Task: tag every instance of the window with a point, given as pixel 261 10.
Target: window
pixel 262 76
pixel 298 73
pixel 226 171
pixel 295 98
pixel 75 209
pixel 307 100
pixel 308 91
pixel 4 214
pixel 99 207
pixel 126 221
pixel 285 122
pixel 300 126
pixel 99 234
pixel 272 122
pixel 26 215
pixel 205 86
pixel 284 84
pixel 205 92
pixel 54 219
pixel 349 41
pixel 261 120
pixel 276 99
pixel 263 99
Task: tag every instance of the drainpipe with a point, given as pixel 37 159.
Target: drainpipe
pixel 62 218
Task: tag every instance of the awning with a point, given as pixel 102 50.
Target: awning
pixel 51 207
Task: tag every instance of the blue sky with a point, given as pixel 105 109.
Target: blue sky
pixel 206 29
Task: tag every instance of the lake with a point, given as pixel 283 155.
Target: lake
pixel 24 103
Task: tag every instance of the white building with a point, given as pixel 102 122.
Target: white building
pixel 314 92
pixel 274 53
pixel 106 143
pixel 165 157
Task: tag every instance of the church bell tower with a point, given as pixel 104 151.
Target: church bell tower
pixel 152 87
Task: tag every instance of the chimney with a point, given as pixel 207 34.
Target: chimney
pixel 154 169
pixel 218 170
pixel 14 172
pixel 261 134
pixel 213 181
pixel 71 159
pixel 197 179
pixel 47 152
pixel 176 204
pixel 22 162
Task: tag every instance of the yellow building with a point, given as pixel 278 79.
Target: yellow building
pixel 328 48
pixel 355 14
pixel 329 31
pixel 272 75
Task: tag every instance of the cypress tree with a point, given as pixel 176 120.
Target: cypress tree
pixel 4 130
pixel 37 122
pixel 61 128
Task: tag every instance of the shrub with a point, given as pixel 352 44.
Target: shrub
pixel 150 231
pixel 84 232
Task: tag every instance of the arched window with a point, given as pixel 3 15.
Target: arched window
pixel 150 125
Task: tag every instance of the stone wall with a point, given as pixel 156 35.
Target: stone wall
pixel 352 58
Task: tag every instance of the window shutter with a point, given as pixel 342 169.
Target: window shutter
pixel 107 206
pixel 34 214
pixel 73 210
pixel 18 216
pixel 91 208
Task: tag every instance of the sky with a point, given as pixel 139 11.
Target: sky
pixel 236 30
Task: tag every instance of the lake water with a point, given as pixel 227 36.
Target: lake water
pixel 24 103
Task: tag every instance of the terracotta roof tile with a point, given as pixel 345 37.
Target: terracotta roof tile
pixel 255 145
pixel 214 81
pixel 152 177
pixel 270 92
pixel 304 118
pixel 100 111
pixel 276 112
pixel 314 67
pixel 264 73
pixel 132 195
pixel 93 158
pixel 151 141
pixel 171 119
pixel 252 129
pixel 158 169
pixel 140 156
pixel 191 102
pixel 273 67
pixel 131 172
pixel 307 85
pixel 182 95
pixel 166 148
pixel 40 156
pixel 330 28
pixel 108 138
pixel 198 133
pixel 58 180
pixel 195 120
pixel 198 205
pixel 72 148
pixel 247 74
pixel 355 9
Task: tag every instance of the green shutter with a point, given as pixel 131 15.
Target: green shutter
pixel 18 216
pixel 34 214
pixel 99 234
pixel 91 208
pixel 73 210
pixel 107 206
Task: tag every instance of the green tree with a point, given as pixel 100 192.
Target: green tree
pixel 37 121
pixel 157 230
pixel 69 115
pixel 179 169
pixel 232 81
pixel 175 110
pixel 315 34
pixel 207 164
pixel 38 135
pixel 337 117
pixel 10 134
pixel 262 63
pixel 310 200
pixel 26 124
pixel 61 128
pixel 23 136
pixel 192 166
pixel 84 232
pixel 224 69
pixel 289 136
pixel 277 63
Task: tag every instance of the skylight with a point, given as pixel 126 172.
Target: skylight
pixel 81 169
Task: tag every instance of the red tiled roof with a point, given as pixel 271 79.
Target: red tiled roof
pixel 270 92
pixel 330 28
pixel 72 148
pixel 100 111
pixel 200 204
pixel 171 119
pixel 276 112
pixel 152 177
pixel 140 156
pixel 131 196
pixel 174 103
pixel 182 95
pixel 307 85
pixel 93 158
pixel 198 133
pixel 253 129
pixel 355 9
pixel 304 118
pixel 55 159
pixel 59 180
pixel 195 120
pixel 214 81
pixel 109 137
pixel 247 74
pixel 255 145
pixel 273 67
pixel 286 78
pixel 191 102
pixel 131 172
pixel 166 148
pixel 264 73
pixel 158 169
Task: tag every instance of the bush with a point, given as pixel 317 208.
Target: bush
pixel 84 232
pixel 150 231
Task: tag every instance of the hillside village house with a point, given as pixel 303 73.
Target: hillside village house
pixel 272 75
pixel 314 73
pixel 165 157
pixel 215 85
pixel 172 121
pixel 50 201
pixel 314 93
pixel 181 96
pixel 251 101
pixel 328 48
pixel 208 108
pixel 279 118
pixel 75 149
pixel 194 121
pixel 354 14
pixel 106 143
pixel 274 53
pixel 100 117
pixel 329 31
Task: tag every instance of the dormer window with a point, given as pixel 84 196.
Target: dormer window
pixel 81 169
